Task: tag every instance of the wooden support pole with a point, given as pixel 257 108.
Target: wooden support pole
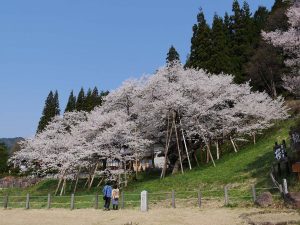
pixel 199 198
pixel 72 201
pixel 122 200
pixel 280 188
pixel 218 150
pixel 185 145
pixel 253 193
pixel 49 201
pixel 168 139
pixel 27 205
pixel 285 187
pixel 100 182
pixel 226 195
pixel 93 177
pixel 208 150
pixel 77 178
pixel 5 202
pixel 173 199
pixel 177 140
pixel 58 185
pixel 63 187
pixel 97 201
pixel 234 147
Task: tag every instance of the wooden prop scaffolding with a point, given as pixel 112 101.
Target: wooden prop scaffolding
pixel 62 182
pixel 168 140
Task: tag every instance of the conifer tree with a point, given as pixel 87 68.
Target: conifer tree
pixel 97 99
pixel 80 104
pixel 201 46
pixel 89 101
pixel 220 55
pixel 242 38
pixel 71 105
pixel 266 66
pixel 50 110
pixel 172 56
pixel 56 104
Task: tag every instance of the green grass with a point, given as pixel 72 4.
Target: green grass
pixel 251 165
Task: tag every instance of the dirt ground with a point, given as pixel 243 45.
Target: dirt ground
pixel 187 216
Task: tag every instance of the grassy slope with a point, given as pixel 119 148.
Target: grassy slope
pixel 250 165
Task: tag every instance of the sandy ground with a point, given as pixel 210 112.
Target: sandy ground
pixel 187 216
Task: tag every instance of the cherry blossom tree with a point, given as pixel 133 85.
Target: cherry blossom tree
pixel 290 42
pixel 177 108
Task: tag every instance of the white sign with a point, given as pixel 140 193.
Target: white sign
pixel 144 201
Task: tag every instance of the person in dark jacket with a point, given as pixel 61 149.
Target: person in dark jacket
pixel 107 191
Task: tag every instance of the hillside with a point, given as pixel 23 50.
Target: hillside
pixel 251 165
pixel 10 142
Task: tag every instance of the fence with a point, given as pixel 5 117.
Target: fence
pixel 226 196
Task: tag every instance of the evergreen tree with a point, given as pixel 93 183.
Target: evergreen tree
pixel 220 53
pixel 242 38
pixel 50 110
pixel 80 104
pixel 97 99
pixel 89 101
pixel 201 46
pixel 71 105
pixel 172 56
pixel 3 158
pixel 266 66
pixel 56 108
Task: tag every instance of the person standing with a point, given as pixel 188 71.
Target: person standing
pixel 107 191
pixel 115 197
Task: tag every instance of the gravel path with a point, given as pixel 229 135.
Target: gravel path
pixel 187 216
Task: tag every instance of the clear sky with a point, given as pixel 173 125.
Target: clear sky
pixel 69 44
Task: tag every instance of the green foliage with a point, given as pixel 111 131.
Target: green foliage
pixel 266 66
pixel 172 56
pixel 71 105
pixel 80 104
pixel 201 47
pixel 220 60
pixel 89 101
pixel 3 158
pixel 229 45
pixel 50 110
pixel 250 165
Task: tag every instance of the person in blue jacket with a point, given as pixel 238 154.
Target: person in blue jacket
pixel 107 191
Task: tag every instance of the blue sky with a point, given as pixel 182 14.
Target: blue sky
pixel 69 44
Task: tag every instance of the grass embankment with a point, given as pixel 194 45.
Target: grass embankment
pixel 251 165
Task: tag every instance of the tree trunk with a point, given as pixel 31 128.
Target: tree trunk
pixel 177 165
pixel 254 138
pixel 195 156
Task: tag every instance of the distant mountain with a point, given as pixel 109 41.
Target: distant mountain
pixel 10 142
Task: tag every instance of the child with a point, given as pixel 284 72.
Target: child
pixel 115 197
